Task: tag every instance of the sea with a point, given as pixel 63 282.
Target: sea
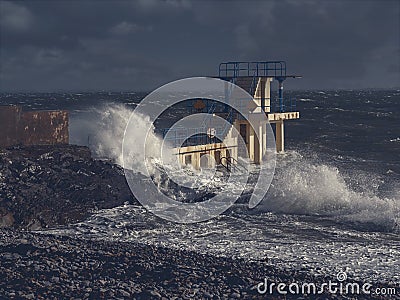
pixel 333 204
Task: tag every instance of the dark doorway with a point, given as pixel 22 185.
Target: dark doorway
pixel 217 157
pixel 188 159
pixel 203 160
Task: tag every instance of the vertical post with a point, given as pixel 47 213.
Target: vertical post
pixel 250 145
pixel 280 136
pixel 264 138
pixel 227 95
pixel 262 92
pixel 267 94
pixel 280 94
pixel 260 143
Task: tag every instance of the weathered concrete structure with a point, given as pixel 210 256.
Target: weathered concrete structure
pixel 32 127
pixel 256 79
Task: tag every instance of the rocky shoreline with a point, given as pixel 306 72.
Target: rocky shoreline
pixel 39 266
pixel 45 186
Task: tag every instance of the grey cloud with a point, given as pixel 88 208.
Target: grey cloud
pixel 14 17
pixel 51 45
pixel 245 41
pixel 164 6
pixel 125 27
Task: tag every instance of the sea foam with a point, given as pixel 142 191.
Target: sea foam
pixel 303 186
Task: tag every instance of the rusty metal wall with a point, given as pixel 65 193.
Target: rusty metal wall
pixel 9 119
pixel 44 128
pixel 33 127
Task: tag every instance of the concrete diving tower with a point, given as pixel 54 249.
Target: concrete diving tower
pixel 255 78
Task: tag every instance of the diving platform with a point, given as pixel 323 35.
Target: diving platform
pixel 204 150
pixel 275 117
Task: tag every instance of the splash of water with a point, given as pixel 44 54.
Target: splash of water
pixel 305 187
pixel 103 131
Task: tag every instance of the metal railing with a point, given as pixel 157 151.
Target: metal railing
pixel 253 86
pixel 209 116
pixel 228 124
pixel 182 136
pixel 232 164
pixel 286 105
pixel 250 69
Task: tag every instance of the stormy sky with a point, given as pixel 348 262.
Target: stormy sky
pixel 140 45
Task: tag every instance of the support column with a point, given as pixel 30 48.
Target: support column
pixel 280 94
pixel 280 136
pixel 260 145
pixel 267 93
pixel 262 94
pixel 251 143
pixel 264 138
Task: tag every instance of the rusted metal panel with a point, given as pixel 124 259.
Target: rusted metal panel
pixel 9 119
pixel 33 127
pixel 44 127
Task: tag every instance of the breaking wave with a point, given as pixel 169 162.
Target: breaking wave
pixel 304 187
pixel 103 131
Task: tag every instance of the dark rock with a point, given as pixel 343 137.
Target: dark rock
pixel 20 279
pixel 6 220
pixel 45 186
pixel 125 293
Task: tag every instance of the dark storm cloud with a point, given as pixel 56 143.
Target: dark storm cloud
pixel 137 45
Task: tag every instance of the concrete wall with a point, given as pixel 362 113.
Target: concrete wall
pixel 32 128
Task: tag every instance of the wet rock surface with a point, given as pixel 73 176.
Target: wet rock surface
pixel 45 186
pixel 39 266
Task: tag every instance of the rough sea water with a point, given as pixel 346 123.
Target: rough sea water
pixel 334 202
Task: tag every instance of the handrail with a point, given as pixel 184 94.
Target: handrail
pixel 253 86
pixel 229 163
pixel 237 163
pixel 228 125
pixel 209 114
pixel 285 106
pixel 179 135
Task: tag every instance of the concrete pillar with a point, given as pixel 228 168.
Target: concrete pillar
pixel 280 95
pixel 259 145
pixel 196 160
pixel 251 142
pixel 267 93
pixel 256 147
pixel 264 137
pixel 280 136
